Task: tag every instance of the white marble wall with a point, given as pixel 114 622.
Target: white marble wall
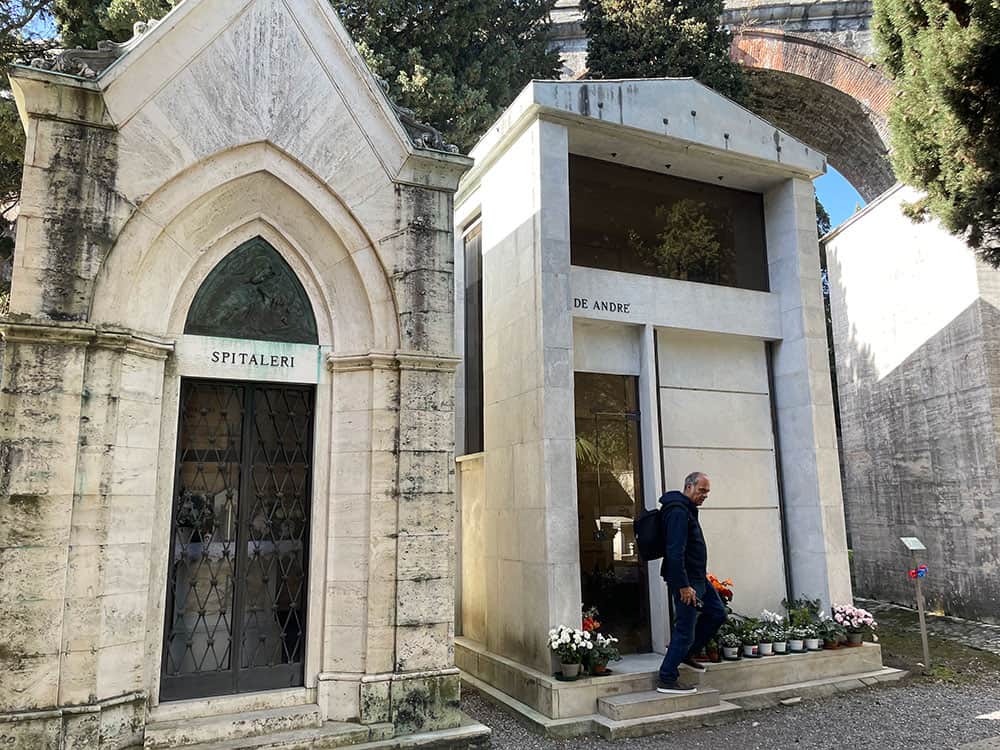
pixel 715 415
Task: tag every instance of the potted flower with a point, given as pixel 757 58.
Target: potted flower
pixel 712 651
pixel 779 637
pixel 764 644
pixel 810 637
pixel 856 622
pixel 570 645
pixel 773 633
pixel 605 650
pixel 830 631
pixel 730 643
pixel 750 637
pixel 796 640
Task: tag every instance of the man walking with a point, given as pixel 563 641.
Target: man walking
pixel 698 610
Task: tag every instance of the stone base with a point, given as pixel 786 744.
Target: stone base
pixel 559 706
pixel 107 725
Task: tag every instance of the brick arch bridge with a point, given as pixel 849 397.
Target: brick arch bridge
pixel 824 96
pixel 809 75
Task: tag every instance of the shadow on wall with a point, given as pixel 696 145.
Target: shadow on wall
pixel 920 459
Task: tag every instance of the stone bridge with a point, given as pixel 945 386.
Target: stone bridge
pixel 812 75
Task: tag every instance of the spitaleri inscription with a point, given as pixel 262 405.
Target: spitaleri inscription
pixel 253 358
pixel 601 305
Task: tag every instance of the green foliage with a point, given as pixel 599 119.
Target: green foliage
pixel 11 152
pixel 802 612
pixel 687 247
pixel 661 38
pixel 823 223
pixel 83 23
pixel 456 63
pixel 945 121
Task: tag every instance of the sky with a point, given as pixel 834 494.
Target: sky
pixel 837 196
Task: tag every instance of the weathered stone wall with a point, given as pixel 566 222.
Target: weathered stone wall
pixel 914 331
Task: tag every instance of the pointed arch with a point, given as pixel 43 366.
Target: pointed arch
pixel 187 226
pixel 253 294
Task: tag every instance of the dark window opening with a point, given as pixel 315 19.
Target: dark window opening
pixel 637 221
pixel 474 340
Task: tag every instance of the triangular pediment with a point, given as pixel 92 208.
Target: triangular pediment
pixel 213 74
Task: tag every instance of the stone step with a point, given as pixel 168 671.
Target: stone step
pixel 235 726
pixel 331 734
pixel 644 726
pixel 652 703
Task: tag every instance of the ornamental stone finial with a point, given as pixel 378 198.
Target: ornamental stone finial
pixel 90 63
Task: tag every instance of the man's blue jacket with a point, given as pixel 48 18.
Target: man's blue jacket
pixel 685 560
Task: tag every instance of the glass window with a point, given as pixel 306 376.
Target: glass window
pixel 474 339
pixel 637 221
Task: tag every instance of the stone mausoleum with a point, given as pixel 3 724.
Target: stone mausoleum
pixel 226 410
pixel 639 298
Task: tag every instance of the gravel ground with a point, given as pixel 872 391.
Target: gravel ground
pixel 907 715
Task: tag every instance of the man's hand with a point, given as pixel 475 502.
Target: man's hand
pixel 688 596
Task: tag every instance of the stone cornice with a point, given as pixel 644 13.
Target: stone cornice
pixel 81 334
pixel 391 361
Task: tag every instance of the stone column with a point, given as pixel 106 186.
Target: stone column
pixel 803 399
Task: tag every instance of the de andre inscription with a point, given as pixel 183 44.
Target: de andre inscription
pixel 253 358
pixel 601 305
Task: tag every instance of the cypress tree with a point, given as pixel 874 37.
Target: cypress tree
pixel 661 38
pixel 456 63
pixel 945 122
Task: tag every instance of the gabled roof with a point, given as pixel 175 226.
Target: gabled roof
pixel 131 72
pixel 663 115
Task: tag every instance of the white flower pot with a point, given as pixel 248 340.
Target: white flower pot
pixel 812 644
pixel 795 645
pixel 780 647
pixel 766 649
pixel 750 649
pixel 730 652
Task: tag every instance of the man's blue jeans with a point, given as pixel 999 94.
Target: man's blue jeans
pixel 692 629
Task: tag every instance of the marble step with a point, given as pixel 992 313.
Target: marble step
pixel 330 734
pixel 187 732
pixel 652 703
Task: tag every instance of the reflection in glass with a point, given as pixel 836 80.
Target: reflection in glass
pixel 637 221
pixel 609 498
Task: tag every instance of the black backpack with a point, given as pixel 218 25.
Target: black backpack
pixel 649 532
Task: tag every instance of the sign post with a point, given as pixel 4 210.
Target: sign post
pixel 917 573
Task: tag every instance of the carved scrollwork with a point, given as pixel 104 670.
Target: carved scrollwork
pixel 421 134
pixel 90 63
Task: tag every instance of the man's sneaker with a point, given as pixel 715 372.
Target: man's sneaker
pixel 675 688
pixel 693 665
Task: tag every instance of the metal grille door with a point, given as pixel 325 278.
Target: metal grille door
pixel 236 592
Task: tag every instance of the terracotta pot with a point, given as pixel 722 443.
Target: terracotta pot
pixel 855 639
pixel 831 645
pixel 598 668
pixel 570 671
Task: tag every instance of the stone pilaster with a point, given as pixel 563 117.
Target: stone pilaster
pixel 803 400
